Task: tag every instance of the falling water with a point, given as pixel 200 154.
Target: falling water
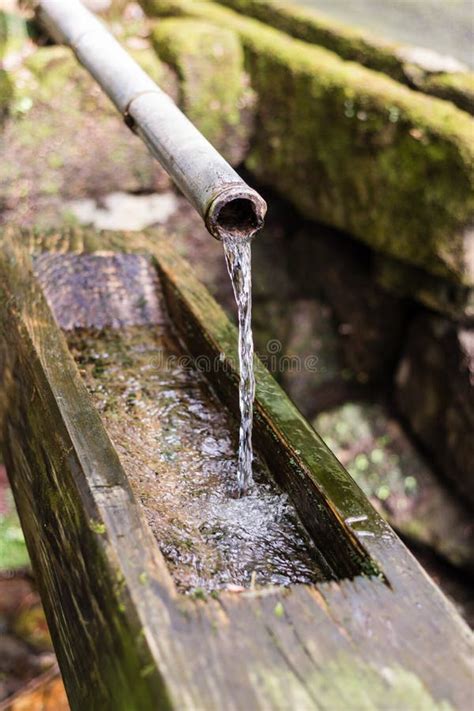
pixel 237 252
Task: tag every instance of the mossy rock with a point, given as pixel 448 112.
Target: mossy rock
pixel 354 149
pixel 217 102
pixel 382 460
pixel 458 88
pixel 307 24
pixel 357 45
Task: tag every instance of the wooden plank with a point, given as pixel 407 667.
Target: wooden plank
pixel 378 635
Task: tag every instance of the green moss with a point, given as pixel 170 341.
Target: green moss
pixel 353 148
pixel 6 94
pixel 458 88
pixel 54 68
pixel 351 44
pixel 97 527
pixel 13 553
pixel 306 24
pixel 212 99
pixel 347 684
pixel 279 610
pixel 199 594
pixel 14 33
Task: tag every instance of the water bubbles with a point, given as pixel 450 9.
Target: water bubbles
pixel 179 454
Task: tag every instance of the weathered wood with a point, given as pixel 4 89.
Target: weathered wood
pixel 380 635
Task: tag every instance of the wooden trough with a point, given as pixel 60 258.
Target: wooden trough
pixel 119 384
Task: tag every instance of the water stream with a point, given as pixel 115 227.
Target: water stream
pixel 238 256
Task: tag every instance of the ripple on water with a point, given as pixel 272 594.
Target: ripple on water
pixel 177 444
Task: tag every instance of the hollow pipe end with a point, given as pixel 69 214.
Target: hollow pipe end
pixel 237 211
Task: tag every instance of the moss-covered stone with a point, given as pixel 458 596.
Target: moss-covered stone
pixel 384 463
pixel 359 46
pixel 217 102
pixel 306 24
pixel 355 149
pixel 458 88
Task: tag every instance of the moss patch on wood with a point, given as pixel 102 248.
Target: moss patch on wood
pixel 355 149
pixel 218 102
pixel 342 683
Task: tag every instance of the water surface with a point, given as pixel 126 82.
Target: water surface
pixel 177 444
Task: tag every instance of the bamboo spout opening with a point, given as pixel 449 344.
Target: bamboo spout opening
pixel 236 213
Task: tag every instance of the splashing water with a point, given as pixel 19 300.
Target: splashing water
pixel 238 253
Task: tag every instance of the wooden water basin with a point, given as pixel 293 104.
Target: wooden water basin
pixel 161 588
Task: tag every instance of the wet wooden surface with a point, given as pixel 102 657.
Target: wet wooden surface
pixel 379 635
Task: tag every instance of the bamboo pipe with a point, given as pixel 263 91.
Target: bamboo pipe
pixel 224 201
